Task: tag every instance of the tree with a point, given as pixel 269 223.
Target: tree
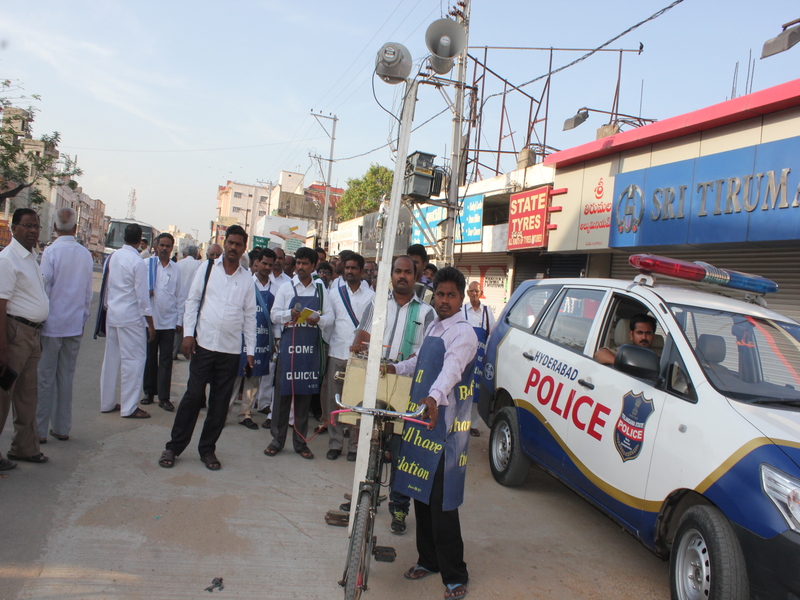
pixel 25 161
pixel 363 195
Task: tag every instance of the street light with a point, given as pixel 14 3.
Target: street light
pixel 784 40
pixel 615 120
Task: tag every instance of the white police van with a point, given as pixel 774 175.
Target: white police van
pixel 692 445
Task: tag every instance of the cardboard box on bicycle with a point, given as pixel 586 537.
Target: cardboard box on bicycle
pixel 394 390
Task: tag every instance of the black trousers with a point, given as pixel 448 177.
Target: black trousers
pixel 439 542
pixel 206 367
pixel 280 420
pixel 158 368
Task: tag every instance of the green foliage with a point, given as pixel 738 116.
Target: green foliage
pixel 22 167
pixel 363 195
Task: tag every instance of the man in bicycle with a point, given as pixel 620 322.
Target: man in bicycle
pixel 407 319
pixel 433 460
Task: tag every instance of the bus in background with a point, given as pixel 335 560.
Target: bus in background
pixel 116 233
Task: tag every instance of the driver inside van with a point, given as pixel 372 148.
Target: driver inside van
pixel 642 333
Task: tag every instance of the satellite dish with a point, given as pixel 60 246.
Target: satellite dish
pixel 446 39
pixel 393 63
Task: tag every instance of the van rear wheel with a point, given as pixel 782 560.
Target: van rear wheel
pixel 706 561
pixel 509 466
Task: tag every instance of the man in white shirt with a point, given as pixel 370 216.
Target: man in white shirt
pixel 23 309
pixel 220 309
pixel 166 299
pixel 188 266
pixel 300 352
pixel 348 303
pixel 127 300
pixel 67 268
pixel 278 277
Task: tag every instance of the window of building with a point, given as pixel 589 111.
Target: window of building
pixel 261 213
pixel 262 198
pixel 236 209
pixel 237 194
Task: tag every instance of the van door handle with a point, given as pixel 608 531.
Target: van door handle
pixel 528 355
pixel 586 384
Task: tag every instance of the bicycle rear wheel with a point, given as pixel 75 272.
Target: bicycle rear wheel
pixel 360 549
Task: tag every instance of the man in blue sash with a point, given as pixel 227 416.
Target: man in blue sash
pixel 347 303
pixel 481 318
pixel 262 260
pixel 433 460
pixel 302 309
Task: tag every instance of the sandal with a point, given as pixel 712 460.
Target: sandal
pixel 211 462
pixel 455 591
pixel 36 458
pixel 137 414
pixel 417 572
pixel 166 405
pixel 167 459
pixel 6 465
pixel 146 400
pixel 306 453
pixel 270 451
pixel 58 436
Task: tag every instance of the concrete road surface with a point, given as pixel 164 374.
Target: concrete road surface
pixel 101 520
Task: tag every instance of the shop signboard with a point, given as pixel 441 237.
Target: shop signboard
pixel 527 219
pixel 469 223
pixel 746 195
pixel 260 242
pixel 594 219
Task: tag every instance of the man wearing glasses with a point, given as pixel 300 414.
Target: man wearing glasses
pixel 23 309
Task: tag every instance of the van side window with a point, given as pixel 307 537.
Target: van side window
pixel 677 381
pixel 616 330
pixel 524 313
pixel 570 318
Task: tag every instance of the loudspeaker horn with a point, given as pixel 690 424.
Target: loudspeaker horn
pixel 393 63
pixel 445 39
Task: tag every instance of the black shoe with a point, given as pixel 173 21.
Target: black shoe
pixel 333 454
pixel 398 525
pixel 249 423
pixel 351 457
pixel 146 400
pixel 166 405
pixel 267 424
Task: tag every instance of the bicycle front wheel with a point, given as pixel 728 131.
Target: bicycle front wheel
pixel 358 558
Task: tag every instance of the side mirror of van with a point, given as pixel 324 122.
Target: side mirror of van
pixel 638 362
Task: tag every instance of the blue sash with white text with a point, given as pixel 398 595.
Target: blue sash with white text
pixel 263 349
pixel 300 353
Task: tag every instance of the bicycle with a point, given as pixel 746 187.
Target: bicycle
pixel 362 542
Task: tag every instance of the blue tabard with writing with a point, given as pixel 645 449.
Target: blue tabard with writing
pixel 483 336
pixel 263 350
pixel 300 352
pixel 422 449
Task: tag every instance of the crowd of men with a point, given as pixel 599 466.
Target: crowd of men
pixel 265 328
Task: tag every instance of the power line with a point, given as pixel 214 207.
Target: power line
pixel 188 150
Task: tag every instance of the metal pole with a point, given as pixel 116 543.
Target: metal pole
pixel 254 211
pixel 455 159
pixel 381 298
pixel 324 230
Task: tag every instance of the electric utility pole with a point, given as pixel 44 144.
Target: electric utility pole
pixel 324 233
pixel 461 13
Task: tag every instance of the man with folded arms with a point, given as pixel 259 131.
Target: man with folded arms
pixel 23 309
pixel 67 268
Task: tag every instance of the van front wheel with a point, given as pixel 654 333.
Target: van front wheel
pixel 706 561
pixel 509 466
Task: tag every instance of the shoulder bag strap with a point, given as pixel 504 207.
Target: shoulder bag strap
pixel 203 295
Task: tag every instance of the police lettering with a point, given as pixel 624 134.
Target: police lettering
pixel 548 393
pixel 553 364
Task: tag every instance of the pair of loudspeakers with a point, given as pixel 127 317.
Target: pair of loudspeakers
pixel 445 39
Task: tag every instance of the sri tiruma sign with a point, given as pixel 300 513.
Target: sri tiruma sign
pixel 527 219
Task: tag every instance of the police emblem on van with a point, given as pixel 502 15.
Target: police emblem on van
pixel 629 432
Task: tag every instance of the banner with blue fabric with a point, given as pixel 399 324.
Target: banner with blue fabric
pixel 301 352
pixel 264 339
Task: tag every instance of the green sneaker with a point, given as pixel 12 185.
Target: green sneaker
pixel 398 526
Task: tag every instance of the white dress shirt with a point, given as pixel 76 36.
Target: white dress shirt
pixel 21 283
pixel 127 289
pixel 279 280
pixel 229 310
pixel 68 271
pixel 188 266
pixel 282 309
pixel 168 298
pixel 342 330
pixel 461 346
pixel 396 317
pixel 483 317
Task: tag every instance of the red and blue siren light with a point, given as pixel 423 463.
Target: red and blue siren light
pixel 702 273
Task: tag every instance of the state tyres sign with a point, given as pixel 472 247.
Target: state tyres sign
pixel 527 219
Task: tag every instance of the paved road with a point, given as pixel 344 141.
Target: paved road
pixel 102 520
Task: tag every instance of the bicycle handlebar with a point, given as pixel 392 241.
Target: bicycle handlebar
pixel 381 412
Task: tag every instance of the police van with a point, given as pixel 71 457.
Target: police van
pixel 690 442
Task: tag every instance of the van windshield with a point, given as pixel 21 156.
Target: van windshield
pixel 746 358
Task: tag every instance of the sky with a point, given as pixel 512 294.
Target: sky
pixel 174 98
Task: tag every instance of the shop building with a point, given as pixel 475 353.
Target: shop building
pixel 719 185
